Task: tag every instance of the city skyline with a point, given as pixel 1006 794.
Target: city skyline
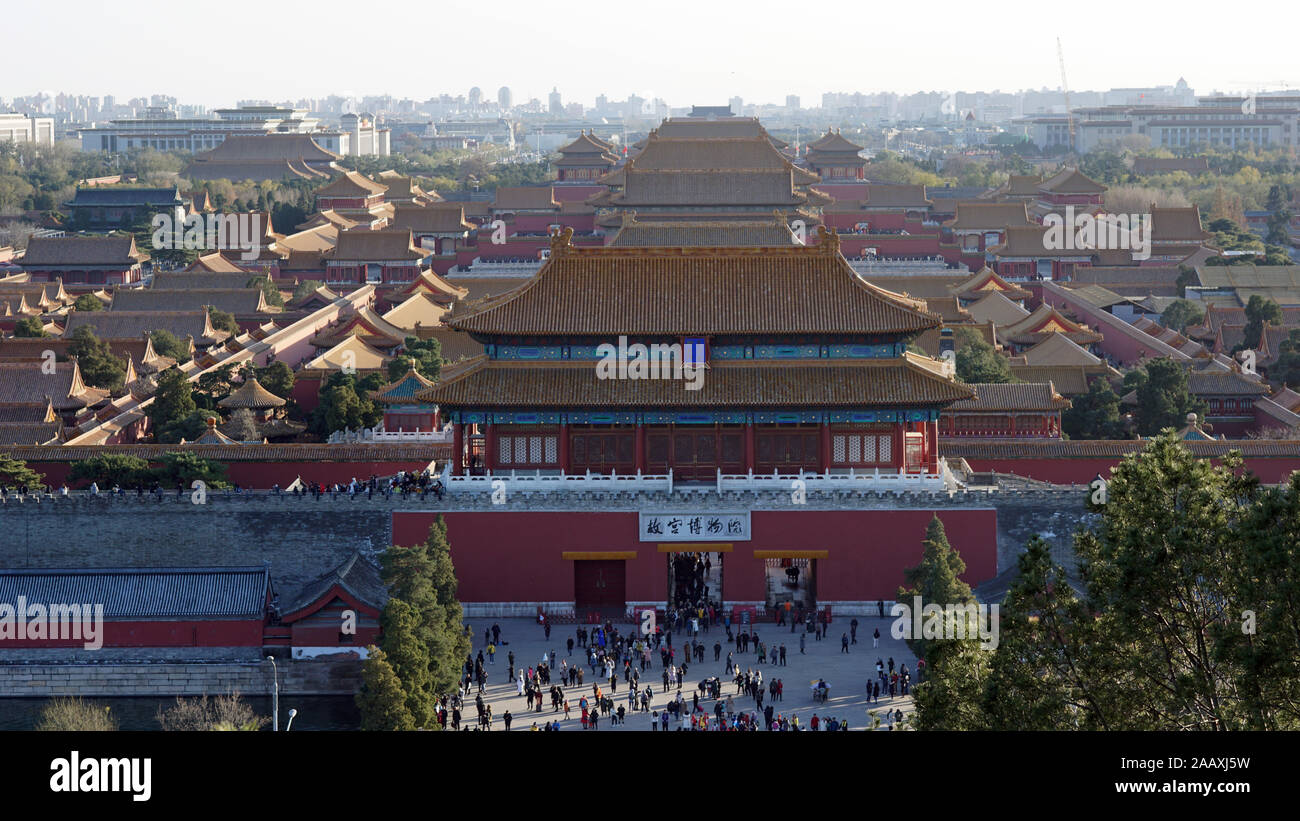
pixel 712 55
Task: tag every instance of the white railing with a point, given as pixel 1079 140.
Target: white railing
pixel 541 482
pixel 380 435
pixel 862 481
pixel 866 481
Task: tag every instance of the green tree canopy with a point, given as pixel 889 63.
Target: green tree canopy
pixel 100 367
pixel 425 353
pixel 183 467
pixel 223 320
pixel 108 469
pixel 88 302
pixel 15 473
pixel 345 404
pixel 978 362
pixel 381 699
pixel 1095 414
pixel 936 579
pixel 1180 313
pixel 1260 311
pixel 269 291
pixel 173 403
pixel 166 344
pixel 30 327
pixel 1162 397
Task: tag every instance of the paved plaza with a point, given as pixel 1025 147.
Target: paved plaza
pixel 846 673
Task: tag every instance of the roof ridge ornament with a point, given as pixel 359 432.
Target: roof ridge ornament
pixel 828 240
pixel 561 242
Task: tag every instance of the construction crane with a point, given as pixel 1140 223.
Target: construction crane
pixel 1065 87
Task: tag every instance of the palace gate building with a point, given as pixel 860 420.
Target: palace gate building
pixel 799 462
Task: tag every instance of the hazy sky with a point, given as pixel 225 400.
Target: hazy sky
pixel 697 51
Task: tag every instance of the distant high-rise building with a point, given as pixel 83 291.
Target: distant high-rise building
pixel 737 106
pixel 475 97
pixel 555 104
pixel 792 102
pixel 504 98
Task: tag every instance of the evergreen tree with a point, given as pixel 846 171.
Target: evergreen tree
pixel 382 700
pixel 426 354
pixel 166 344
pixel 1095 414
pixel 223 320
pixel 1162 397
pixel 1180 313
pixel 99 366
pixel 424 577
pixel 173 402
pixel 1260 311
pixel 108 469
pixel 1159 572
pixel 15 473
pixel 88 302
pixel 1037 679
pixel 277 378
pixel 936 579
pixel 408 654
pixel 29 327
pixel 978 362
pixel 956 671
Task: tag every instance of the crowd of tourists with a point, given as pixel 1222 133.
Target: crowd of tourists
pixel 603 674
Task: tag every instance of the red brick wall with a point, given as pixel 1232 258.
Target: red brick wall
pixel 507 556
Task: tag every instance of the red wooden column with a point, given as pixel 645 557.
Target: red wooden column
pixel 932 433
pixel 638 441
pixel 457 448
pixel 749 446
pixel 824 462
pixel 489 447
pixel 564 447
pixel 897 458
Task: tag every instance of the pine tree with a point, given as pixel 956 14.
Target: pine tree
pixel 1159 573
pixel 382 700
pixel 936 579
pixel 1037 677
pixel 15 473
pixel 408 655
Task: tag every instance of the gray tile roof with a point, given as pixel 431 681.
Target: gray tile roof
pixel 146 593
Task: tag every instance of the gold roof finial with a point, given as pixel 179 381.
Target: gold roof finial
pixel 828 240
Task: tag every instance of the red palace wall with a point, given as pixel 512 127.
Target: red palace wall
pixel 306 392
pixel 241 633
pixel 890 245
pixel 516 557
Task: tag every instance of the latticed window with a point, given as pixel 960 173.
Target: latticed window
pixel 860 448
pixel 527 450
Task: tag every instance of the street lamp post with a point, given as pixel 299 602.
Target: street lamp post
pixel 292 713
pixel 275 696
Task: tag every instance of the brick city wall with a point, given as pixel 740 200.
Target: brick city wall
pixel 316 677
pixel 302 538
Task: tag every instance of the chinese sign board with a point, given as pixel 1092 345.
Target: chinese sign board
pixel 695 527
